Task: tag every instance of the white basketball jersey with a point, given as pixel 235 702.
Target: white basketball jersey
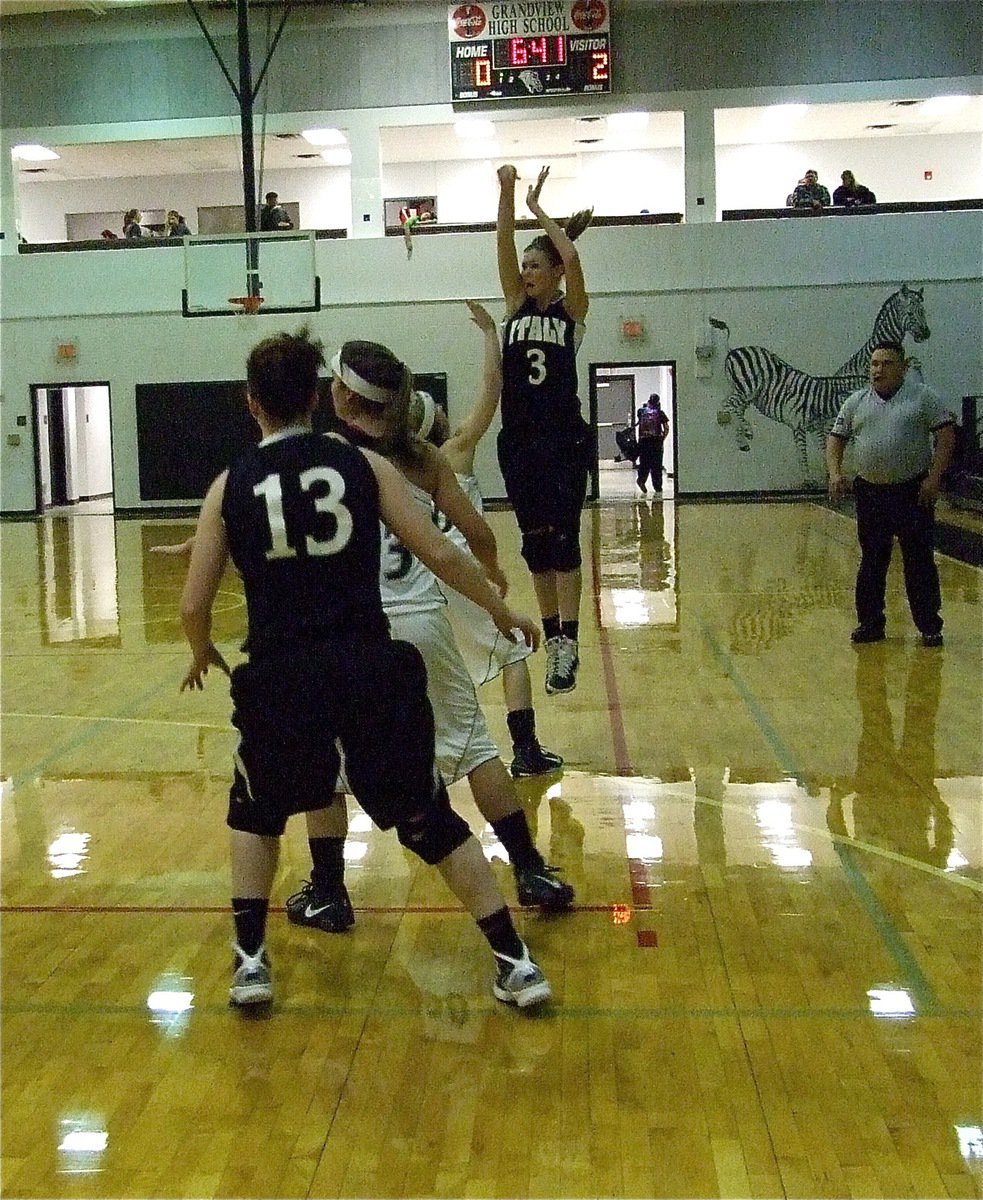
pixel 469 486
pixel 406 584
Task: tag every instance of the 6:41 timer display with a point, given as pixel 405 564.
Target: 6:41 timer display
pixel 555 47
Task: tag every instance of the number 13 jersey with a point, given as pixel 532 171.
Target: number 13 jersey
pixel 301 513
pixel 539 370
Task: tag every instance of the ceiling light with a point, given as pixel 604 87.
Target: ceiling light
pixel 628 122
pixel 939 106
pixel 339 156
pixel 31 153
pixel 474 127
pixel 324 137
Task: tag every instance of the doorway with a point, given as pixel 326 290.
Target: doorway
pixel 73 444
pixel 617 391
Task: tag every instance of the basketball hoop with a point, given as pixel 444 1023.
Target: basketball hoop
pixel 246 306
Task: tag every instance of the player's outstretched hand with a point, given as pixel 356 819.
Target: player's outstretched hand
pixel 507 174
pixel 481 316
pixel 532 196
pixel 195 678
pixel 511 624
pixel 177 549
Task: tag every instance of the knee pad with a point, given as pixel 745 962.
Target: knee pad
pixel 436 831
pixel 537 550
pixel 566 549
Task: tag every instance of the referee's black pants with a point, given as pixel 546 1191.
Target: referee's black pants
pixel 886 511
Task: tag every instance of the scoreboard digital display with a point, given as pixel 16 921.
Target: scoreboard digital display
pixel 509 51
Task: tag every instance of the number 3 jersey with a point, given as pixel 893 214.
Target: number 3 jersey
pixel 539 370
pixel 407 585
pixel 301 513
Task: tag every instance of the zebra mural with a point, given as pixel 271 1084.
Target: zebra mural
pixel 809 403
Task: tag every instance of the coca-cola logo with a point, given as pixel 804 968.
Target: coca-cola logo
pixel 588 15
pixel 468 20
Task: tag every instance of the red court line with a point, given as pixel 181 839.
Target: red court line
pixel 619 741
pixel 438 910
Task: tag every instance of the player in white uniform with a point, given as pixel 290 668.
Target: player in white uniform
pixel 376 413
pixel 483 648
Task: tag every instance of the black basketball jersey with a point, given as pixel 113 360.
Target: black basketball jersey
pixel 539 369
pixel 301 513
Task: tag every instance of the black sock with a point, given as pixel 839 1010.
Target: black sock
pixel 513 832
pixel 328 858
pixel 249 914
pixel 551 627
pixel 522 727
pixel 501 934
pixel 570 629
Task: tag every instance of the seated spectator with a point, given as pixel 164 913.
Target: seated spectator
pixel 133 227
pixel 109 236
pixel 850 193
pixel 809 193
pixel 175 225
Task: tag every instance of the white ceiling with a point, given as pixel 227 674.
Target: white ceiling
pixel 545 140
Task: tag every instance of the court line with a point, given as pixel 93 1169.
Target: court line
pixel 206 909
pixel 556 1011
pixel 916 982
pixel 43 716
pixel 79 739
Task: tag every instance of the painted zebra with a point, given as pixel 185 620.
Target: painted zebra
pixel 807 404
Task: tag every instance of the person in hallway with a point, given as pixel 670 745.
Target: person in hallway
pixel 175 225
pixel 850 193
pixel 892 424
pixel 273 216
pixel 371 399
pixel 486 653
pixel 545 447
pixel 809 193
pixel 299 517
pixel 653 428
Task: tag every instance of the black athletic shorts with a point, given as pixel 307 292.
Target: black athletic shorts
pixel 546 476
pixel 289 709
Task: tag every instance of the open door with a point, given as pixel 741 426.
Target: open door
pixel 617 391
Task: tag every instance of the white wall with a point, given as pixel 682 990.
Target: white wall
pixel 808 290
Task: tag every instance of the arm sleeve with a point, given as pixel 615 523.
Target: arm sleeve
pixel 842 427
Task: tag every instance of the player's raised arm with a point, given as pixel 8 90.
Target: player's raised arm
pixel 460 446
pixel 509 274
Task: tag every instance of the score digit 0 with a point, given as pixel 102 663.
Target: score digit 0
pixel 482 72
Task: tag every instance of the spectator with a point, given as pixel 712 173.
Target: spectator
pixel 809 193
pixel 133 226
pixel 273 216
pixel 850 193
pixel 176 226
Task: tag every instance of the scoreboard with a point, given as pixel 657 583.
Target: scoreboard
pixel 508 51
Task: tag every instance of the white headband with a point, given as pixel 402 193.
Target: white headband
pixel 429 411
pixel 352 379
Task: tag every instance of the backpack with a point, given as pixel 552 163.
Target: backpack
pixel 651 422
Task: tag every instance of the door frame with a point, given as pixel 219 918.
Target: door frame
pixel 629 367
pixel 35 388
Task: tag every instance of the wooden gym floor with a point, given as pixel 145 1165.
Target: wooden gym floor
pixel 770 984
